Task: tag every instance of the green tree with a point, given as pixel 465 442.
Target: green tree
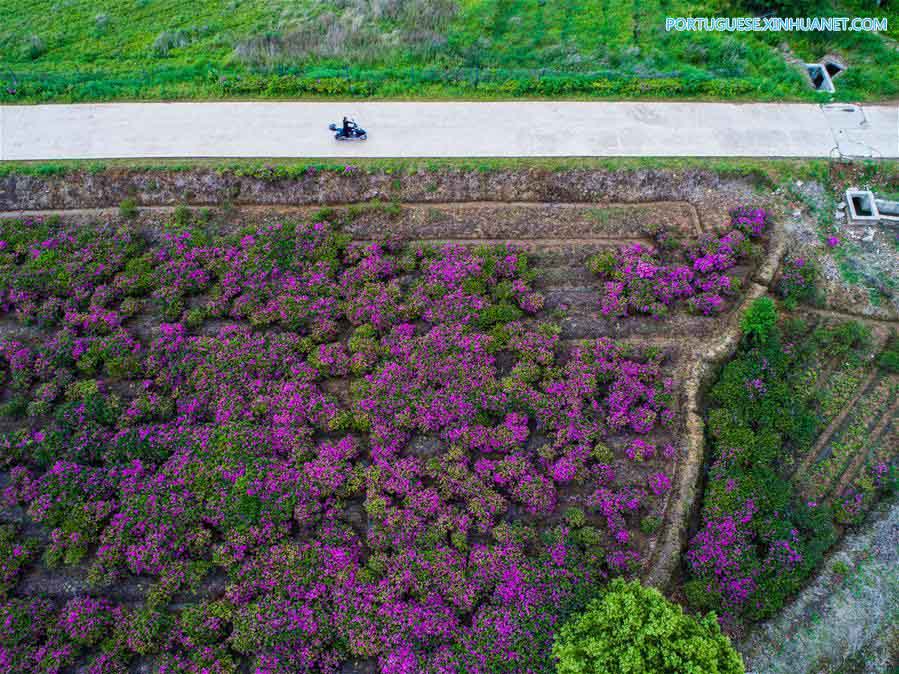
pixel 759 320
pixel 632 629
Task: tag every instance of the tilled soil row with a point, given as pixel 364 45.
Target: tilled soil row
pixel 447 220
pixel 711 194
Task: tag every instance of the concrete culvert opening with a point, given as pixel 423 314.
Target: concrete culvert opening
pixel 833 68
pixel 862 205
pixel 816 75
pixel 819 77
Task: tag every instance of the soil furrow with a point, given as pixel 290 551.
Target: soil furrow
pixel 832 428
pixel 858 462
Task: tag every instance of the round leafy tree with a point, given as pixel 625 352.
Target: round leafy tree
pixel 631 629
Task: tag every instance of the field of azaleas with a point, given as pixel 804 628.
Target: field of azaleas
pixel 318 451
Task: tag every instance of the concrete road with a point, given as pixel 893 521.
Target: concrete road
pixel 449 129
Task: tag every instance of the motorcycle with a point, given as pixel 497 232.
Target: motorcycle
pixel 355 132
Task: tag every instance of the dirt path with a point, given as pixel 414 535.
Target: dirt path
pixel 849 316
pixel 448 129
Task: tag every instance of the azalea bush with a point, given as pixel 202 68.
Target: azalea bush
pixel 631 629
pixel 652 280
pixel 798 281
pixel 311 450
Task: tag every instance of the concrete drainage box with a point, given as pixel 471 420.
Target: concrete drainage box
pixel 862 206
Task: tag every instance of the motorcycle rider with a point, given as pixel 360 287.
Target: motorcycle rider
pixel 348 127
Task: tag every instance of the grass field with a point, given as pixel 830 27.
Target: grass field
pixel 79 50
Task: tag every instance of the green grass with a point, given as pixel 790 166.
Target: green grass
pixel 83 50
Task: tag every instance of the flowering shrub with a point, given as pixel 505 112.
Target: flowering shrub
pixel 87 621
pixel 637 281
pixel 15 554
pixel 659 483
pixel 370 444
pixel 798 281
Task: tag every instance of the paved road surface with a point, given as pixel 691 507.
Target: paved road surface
pixel 451 129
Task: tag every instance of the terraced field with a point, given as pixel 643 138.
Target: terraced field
pixel 465 402
pixel 860 410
